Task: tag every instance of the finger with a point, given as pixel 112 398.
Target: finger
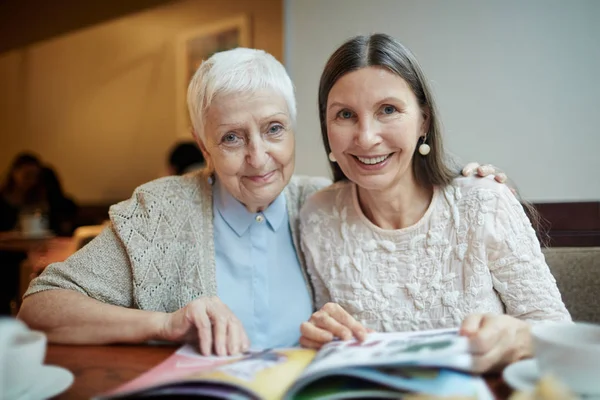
pixel 219 323
pixel 498 356
pixel 485 170
pixel 203 326
pixel 315 334
pixel 343 318
pixel 470 168
pixel 470 324
pixel 490 332
pixel 500 177
pixel 328 323
pixel 310 344
pixel 245 341
pixel 234 342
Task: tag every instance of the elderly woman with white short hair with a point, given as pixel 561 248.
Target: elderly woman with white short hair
pixel 211 256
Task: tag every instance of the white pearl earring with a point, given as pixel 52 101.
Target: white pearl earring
pixel 332 157
pixel 424 148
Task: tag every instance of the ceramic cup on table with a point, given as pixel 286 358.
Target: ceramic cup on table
pixel 571 353
pixel 23 374
pixel 33 224
pixel 22 358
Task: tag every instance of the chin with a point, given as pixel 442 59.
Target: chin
pixel 373 182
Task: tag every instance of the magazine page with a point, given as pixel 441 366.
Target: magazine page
pixel 264 374
pixel 177 368
pixel 360 383
pixel 388 364
pixel 267 375
pixel 434 348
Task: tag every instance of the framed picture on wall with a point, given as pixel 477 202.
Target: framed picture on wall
pixel 197 45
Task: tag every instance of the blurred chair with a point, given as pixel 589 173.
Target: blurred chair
pixel 84 234
pixel 577 273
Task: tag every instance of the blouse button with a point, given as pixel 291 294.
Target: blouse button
pixel 260 218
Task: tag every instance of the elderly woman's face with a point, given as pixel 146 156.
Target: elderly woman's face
pixel 249 142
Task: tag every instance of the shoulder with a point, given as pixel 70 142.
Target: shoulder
pixel 484 199
pixel 301 187
pixel 171 191
pixel 340 193
pixel 483 189
pixel 308 184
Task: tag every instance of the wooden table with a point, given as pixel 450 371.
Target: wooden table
pixel 100 368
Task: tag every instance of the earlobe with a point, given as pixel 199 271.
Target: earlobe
pixel 426 120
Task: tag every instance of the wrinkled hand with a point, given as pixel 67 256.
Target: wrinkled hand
pixel 329 322
pixel 483 171
pixel 210 323
pixel 496 340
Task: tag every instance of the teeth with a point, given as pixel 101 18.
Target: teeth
pixel 373 160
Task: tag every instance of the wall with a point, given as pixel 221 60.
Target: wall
pixel 516 81
pixel 99 104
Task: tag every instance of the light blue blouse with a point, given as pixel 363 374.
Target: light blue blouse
pixel 259 276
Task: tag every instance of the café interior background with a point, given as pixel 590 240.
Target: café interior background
pixel 92 88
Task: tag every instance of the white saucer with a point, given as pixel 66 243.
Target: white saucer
pixel 522 375
pixel 50 382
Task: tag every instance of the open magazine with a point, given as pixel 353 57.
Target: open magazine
pixel 385 365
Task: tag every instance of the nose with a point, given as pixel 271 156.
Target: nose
pixel 257 154
pixel 367 134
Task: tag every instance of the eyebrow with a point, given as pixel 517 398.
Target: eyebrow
pixel 336 104
pixel 384 100
pixel 239 123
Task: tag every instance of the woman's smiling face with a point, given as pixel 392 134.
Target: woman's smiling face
pixel 249 142
pixel 373 126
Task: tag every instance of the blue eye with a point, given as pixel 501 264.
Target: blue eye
pixel 229 138
pixel 389 109
pixel 345 114
pixel 275 129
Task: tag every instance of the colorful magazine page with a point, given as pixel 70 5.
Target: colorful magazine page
pixel 178 367
pixel 362 383
pixel 265 374
pixel 384 365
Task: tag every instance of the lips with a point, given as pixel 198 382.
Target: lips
pixel 373 160
pixel 261 178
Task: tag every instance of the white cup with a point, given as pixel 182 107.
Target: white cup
pixel 22 359
pixel 32 224
pixel 571 353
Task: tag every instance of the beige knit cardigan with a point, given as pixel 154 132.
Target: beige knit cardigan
pixel 158 251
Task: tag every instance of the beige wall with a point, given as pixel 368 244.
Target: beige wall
pixel 99 104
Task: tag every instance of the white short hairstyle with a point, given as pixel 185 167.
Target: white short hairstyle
pixel 242 71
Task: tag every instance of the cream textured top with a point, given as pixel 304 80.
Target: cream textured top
pixel 474 251
pixel 158 252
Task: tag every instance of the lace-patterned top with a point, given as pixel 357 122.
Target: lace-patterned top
pixel 474 251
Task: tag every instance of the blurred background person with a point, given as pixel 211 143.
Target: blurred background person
pixel 185 157
pixel 29 189
pixel 22 190
pixel 62 210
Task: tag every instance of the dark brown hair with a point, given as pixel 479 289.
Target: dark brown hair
pixel 381 50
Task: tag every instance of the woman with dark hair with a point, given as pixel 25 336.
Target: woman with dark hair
pixel 21 191
pixel 62 210
pixel 400 241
